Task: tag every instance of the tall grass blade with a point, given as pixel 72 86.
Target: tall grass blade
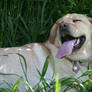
pixel 7 83
pixel 16 85
pixel 9 74
pixel 43 87
pixel 29 86
pixel 43 12
pixel 5 90
pixel 24 68
pixel 45 66
pixel 24 23
pixel 58 86
pixel 89 72
pixel 53 62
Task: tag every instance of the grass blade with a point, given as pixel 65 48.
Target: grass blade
pixel 28 85
pixel 9 74
pixel 45 66
pixel 58 86
pixel 24 68
pixel 7 83
pixel 89 72
pixel 43 12
pixel 16 85
pixel 53 62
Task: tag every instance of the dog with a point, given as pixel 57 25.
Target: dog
pixel 69 42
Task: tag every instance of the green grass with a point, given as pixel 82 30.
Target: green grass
pixel 26 21
pixel 43 85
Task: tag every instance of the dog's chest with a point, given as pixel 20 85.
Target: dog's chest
pixel 65 68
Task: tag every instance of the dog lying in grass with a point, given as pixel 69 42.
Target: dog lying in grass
pixel 70 43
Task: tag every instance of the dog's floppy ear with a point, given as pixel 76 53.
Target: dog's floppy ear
pixel 90 19
pixel 53 33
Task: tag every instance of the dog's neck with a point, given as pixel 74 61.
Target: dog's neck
pixel 75 64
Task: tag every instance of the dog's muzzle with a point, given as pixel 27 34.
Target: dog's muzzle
pixel 70 43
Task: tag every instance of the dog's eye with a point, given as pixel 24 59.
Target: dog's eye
pixel 76 20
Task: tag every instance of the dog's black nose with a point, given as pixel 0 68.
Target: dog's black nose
pixel 64 26
pixel 63 29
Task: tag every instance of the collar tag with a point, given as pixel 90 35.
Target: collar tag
pixel 75 67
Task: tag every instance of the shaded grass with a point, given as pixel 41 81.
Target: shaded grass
pixel 26 21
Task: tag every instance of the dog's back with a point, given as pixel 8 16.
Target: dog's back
pixel 34 54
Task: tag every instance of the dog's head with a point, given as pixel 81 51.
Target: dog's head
pixel 72 35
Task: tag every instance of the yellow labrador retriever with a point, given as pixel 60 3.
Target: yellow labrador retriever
pixel 70 43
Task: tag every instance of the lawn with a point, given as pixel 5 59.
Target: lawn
pixel 26 21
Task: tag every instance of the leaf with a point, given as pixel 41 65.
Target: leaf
pixel 58 86
pixel 7 83
pixel 17 84
pixel 53 61
pixel 9 74
pixel 5 90
pixel 24 68
pixel 45 66
pixel 89 72
pixel 66 81
pixel 29 86
pixel 87 82
pixel 73 83
pixel 43 87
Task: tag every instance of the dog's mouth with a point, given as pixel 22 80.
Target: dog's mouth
pixel 70 44
pixel 79 41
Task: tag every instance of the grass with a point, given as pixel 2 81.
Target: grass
pixel 26 21
pixel 43 86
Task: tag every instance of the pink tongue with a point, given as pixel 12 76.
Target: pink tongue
pixel 66 49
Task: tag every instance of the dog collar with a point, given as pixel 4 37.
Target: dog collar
pixel 75 67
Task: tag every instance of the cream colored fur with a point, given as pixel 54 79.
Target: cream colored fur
pixel 36 53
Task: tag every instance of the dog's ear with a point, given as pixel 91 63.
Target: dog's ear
pixel 53 33
pixel 90 19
